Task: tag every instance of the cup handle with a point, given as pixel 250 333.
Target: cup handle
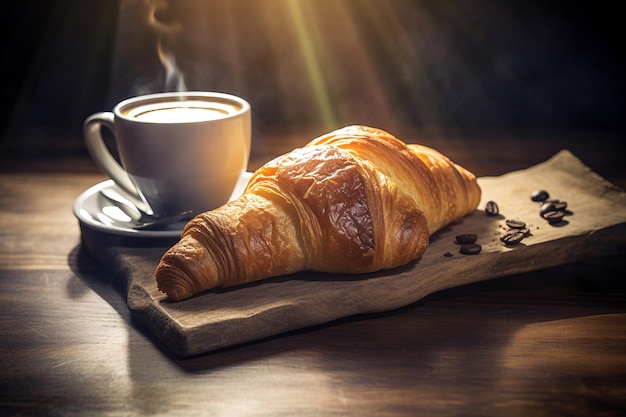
pixel 101 155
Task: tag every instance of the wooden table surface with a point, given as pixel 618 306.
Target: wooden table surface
pixel 551 342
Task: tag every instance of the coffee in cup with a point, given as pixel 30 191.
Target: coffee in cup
pixel 178 151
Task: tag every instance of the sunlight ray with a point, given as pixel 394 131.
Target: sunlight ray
pixel 316 78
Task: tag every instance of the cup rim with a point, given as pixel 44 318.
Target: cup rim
pixel 243 105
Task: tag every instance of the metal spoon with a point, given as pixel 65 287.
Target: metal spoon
pixel 159 222
pixel 140 219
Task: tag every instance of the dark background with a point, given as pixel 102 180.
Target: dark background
pixel 436 66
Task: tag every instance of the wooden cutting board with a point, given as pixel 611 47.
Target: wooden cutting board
pixel 594 227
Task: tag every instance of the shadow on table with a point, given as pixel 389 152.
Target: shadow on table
pixel 587 287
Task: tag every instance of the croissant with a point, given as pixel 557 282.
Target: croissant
pixel 355 200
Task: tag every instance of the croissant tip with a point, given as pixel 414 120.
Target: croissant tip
pixel 169 282
pixel 175 294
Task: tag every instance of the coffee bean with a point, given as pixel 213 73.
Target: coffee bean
pixel 470 249
pixel 515 224
pixel 525 231
pixel 554 216
pixel 539 195
pixel 491 208
pixel 512 238
pixel 467 238
pixel 560 205
pixel 547 207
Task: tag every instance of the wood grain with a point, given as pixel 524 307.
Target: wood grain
pixel 549 342
pixel 217 319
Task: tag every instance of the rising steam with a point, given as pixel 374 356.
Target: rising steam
pixel 166 32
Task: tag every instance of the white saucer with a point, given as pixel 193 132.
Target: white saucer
pixel 95 211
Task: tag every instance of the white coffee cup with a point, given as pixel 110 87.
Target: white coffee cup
pixel 178 151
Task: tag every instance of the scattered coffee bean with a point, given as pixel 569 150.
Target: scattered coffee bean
pixel 547 207
pixel 470 249
pixel 467 238
pixel 552 206
pixel 448 254
pixel 491 208
pixel 525 231
pixel 557 204
pixel 554 216
pixel 515 224
pixel 512 238
pixel 539 195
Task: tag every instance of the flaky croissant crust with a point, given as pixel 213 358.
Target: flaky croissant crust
pixel 355 200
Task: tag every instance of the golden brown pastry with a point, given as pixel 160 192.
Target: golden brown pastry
pixel 355 200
